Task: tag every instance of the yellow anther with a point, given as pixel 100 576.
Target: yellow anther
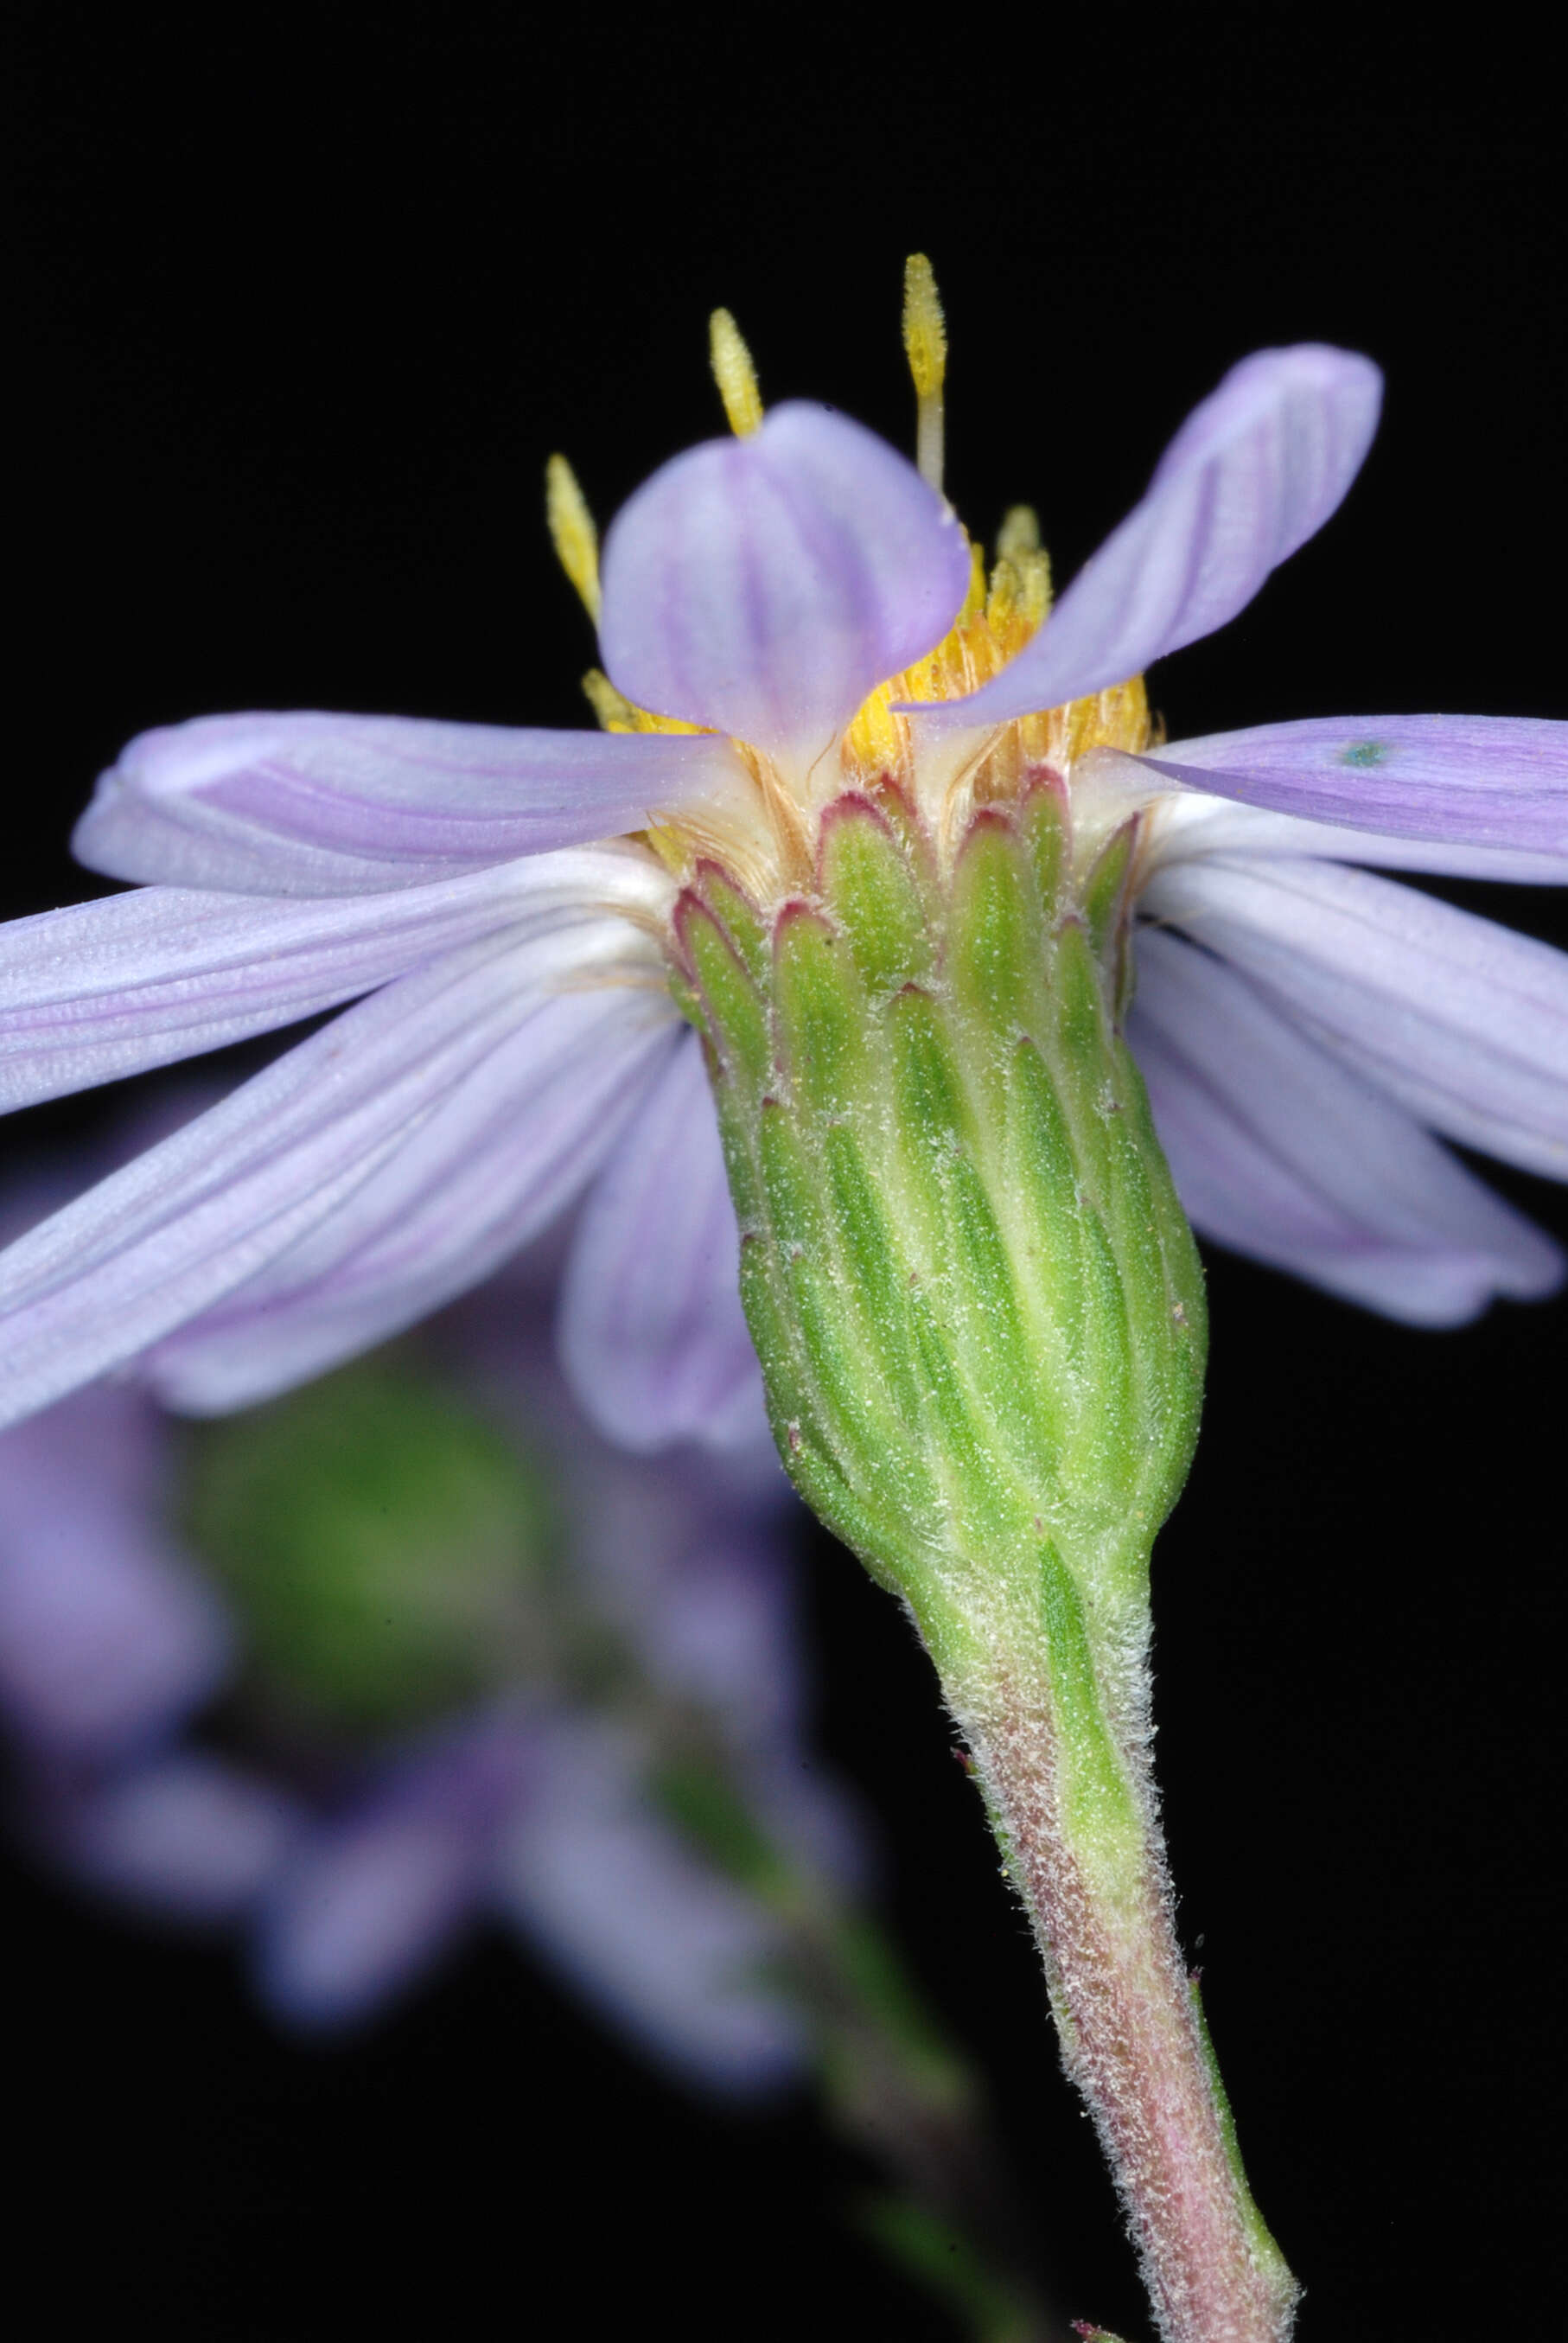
pixel 1019 533
pixel 735 374
pixel 617 713
pixel 925 346
pixel 1027 565
pixel 1006 594
pixel 572 531
pixel 614 709
pixel 975 599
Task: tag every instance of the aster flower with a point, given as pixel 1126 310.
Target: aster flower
pixel 904 845
pixel 785 616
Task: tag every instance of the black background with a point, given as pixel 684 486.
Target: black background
pixel 297 312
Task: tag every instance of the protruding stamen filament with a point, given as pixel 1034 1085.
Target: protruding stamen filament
pixel 735 374
pixel 926 345
pixel 572 531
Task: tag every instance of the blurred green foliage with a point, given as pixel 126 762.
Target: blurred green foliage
pixel 379 1537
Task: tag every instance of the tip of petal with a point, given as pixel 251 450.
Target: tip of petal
pixel 1330 389
pixel 765 586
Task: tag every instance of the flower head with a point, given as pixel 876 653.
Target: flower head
pixel 785 618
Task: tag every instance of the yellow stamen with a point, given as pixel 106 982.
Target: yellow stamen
pixel 735 374
pixel 617 713
pixel 1019 533
pixel 614 711
pixel 926 345
pixel 974 600
pixel 1021 581
pixel 572 531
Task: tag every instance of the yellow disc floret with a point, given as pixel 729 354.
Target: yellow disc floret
pixel 998 618
pixel 943 773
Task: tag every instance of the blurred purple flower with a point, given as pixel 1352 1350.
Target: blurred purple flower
pixel 353 1865
pixel 1305 1027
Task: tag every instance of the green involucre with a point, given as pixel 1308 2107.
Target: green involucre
pixel 973 1291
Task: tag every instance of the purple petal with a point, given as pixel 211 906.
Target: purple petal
pixel 304 804
pixel 693 1577
pixel 712 1614
pixel 103 990
pixel 188 1838
pixel 721 1631
pixel 1280 1152
pixel 106 1637
pixel 370 1903
pixel 1481 780
pixel 653 1338
pixel 1463 1020
pixel 1188 826
pixel 514 1141
pixel 668 1951
pixel 1252 473
pixel 168 1236
pixel 764 586
pixel 686 1554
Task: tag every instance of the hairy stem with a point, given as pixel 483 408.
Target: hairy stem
pixel 1132 2034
